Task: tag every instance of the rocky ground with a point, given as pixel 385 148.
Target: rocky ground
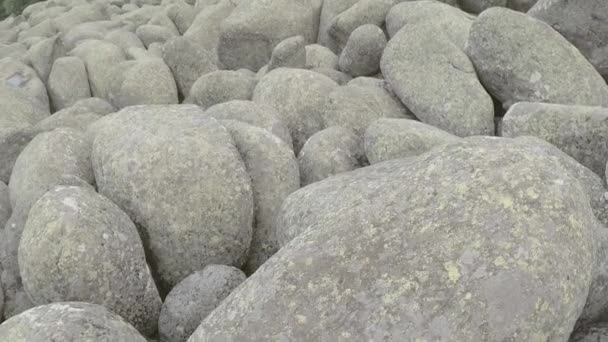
pixel 304 170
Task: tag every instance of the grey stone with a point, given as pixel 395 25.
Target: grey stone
pixel 137 17
pixel 161 19
pixel 329 152
pixel 330 9
pixel 17 108
pixel 80 14
pixel 187 62
pixel 455 23
pixel 356 107
pixel 290 53
pixel 156 49
pixel 297 95
pixel 78 245
pixel 94 105
pixel 149 34
pixel 579 131
pixel 44 29
pixel 20 77
pixel 478 6
pixel 221 86
pixel 595 333
pixel 13 140
pixel 584 24
pixel 519 58
pixel 437 81
pixel 273 169
pixel 42 55
pixel 124 39
pixel 5 210
pixel 337 76
pixel 194 298
pixel 374 244
pixel 76 120
pixel 255 114
pixel 14 50
pixel 255 27
pixel 45 160
pixel 521 5
pixel 68 82
pixel 85 31
pixel 99 57
pixel 318 56
pixel 146 81
pixel 387 139
pixel 182 14
pixel 361 55
pixel 68 321
pixel 361 13
pixel 178 175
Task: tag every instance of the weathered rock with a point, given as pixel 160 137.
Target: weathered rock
pixel 290 53
pixel 329 152
pixel 387 139
pixel 13 140
pixel 318 56
pixel 82 32
pixel 14 50
pixel 74 119
pixel 124 39
pixel 437 81
pixel 68 82
pixel 297 95
pixel 331 8
pixel 519 58
pixel 255 114
pixel 221 86
pixel 149 34
pixel 273 169
pixel 255 27
pixel 42 55
pixel 177 174
pixel 581 132
pixel 356 107
pixel 187 62
pixel 80 14
pixel 478 6
pixel 44 29
pixel 68 321
pixel 182 14
pixel 94 105
pixel 161 19
pixel 147 81
pixel 584 24
pixel 194 298
pixel 5 210
pixel 361 13
pixel 17 76
pixel 596 333
pixel 337 76
pixel 491 265
pixel 78 245
pixel 521 5
pixel 361 55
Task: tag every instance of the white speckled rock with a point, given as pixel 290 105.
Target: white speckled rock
pixel 178 175
pixel 69 322
pixel 194 298
pixel 468 247
pixel 78 245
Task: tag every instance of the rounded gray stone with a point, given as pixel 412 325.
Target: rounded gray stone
pixel 387 139
pixel 70 322
pixel 124 39
pixel 595 333
pixel 5 206
pixel 221 86
pixel 329 152
pixel 290 53
pixel 361 55
pixel 519 58
pixel 337 76
pixel 149 34
pixel 478 6
pixel 68 82
pixel 319 56
pixel 190 301
pixel 78 245
pixel 69 119
pixel 178 175
pixel 18 77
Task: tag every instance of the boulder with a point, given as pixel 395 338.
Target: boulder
pixel 78 245
pixel 251 31
pixel 318 56
pixel 42 55
pixel 521 5
pixel 45 160
pixel 80 14
pixel 94 105
pixel 255 114
pixel 68 82
pixel 13 140
pixel 478 6
pixel 290 53
pixel 337 76
pixel 584 24
pixel 194 298
pixel 273 169
pixel 446 227
pixel 297 95
pixel 182 15
pixel 73 119
pixel 387 139
pixel 5 209
pixel 595 333
pixel 183 183
pixel 519 58
pixel 580 131
pixel 221 86
pixel 149 34
pixel 187 62
pixel 329 152
pixel 330 9
pixel 19 77
pixel 361 55
pixel 124 39
pixel 68 321
pixel 437 81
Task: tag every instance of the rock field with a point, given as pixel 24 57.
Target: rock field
pixel 304 170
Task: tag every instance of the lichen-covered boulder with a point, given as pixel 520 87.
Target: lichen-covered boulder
pixel 437 81
pixel 178 175
pixel 190 301
pixel 273 169
pixel 361 55
pixel 298 96
pixel 475 228
pixel 580 131
pixel 78 245
pixel 329 152
pixel 69 322
pixel 387 139
pixel 68 82
pixel 221 86
pixel 255 114
pixel 519 58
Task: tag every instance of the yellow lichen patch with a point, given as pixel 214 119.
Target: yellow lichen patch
pixel 499 261
pixel 453 272
pixel 301 319
pixel 506 201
